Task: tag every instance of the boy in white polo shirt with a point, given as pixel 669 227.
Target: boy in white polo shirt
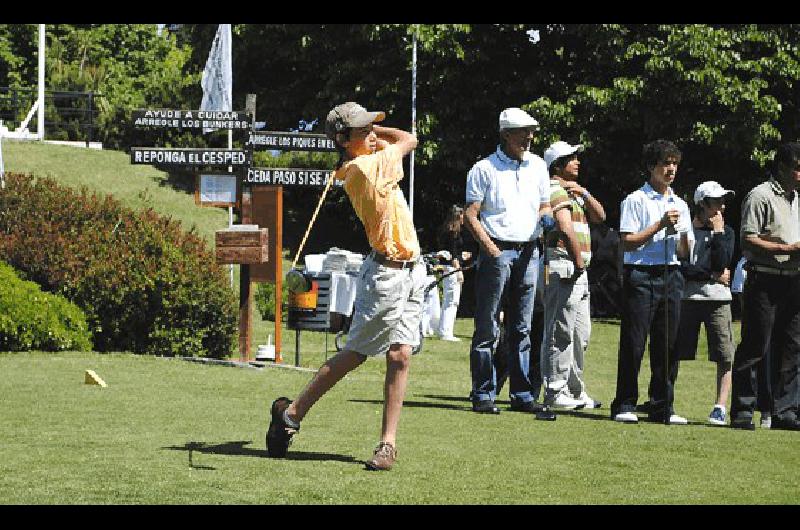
pixel 655 228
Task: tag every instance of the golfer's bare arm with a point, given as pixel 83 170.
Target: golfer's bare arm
pixel 405 141
pixel 474 226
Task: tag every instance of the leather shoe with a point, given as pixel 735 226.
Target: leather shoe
pixel 746 425
pixel 486 406
pixel 526 406
pixel 786 424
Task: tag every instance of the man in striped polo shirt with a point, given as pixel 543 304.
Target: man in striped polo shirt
pixel 566 291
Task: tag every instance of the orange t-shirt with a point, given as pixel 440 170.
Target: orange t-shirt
pixel 372 183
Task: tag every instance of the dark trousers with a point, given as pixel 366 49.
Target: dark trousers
pixel 643 312
pixel 771 321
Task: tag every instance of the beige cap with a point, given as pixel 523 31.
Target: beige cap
pixel 349 115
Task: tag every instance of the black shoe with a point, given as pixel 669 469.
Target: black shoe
pixel 486 406
pixel 532 407
pixel 745 425
pixel 279 434
pixel 786 424
pixel 644 408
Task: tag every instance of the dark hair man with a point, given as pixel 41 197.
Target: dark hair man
pixel 655 228
pixel 770 239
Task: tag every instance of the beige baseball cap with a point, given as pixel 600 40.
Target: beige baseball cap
pixel 349 115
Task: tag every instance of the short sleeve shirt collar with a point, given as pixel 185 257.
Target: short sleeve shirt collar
pixel 507 160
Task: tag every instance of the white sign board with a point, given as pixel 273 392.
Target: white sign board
pixel 218 189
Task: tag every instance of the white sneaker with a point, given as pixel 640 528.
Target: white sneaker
pixel 627 417
pixel 766 421
pixel 567 402
pixel 677 420
pixel 588 402
pixel 450 338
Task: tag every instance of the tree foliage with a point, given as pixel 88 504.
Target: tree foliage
pixel 727 94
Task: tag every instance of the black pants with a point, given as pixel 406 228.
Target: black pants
pixel 771 320
pixel 643 312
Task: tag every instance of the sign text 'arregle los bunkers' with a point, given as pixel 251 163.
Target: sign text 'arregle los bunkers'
pixel 192 119
pixel 207 157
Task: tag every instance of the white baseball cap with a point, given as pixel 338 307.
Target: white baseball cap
pixel 710 189
pixel 514 118
pixel 559 149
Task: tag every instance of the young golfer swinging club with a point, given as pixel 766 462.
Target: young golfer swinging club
pixel 391 281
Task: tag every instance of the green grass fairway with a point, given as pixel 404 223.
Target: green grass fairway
pixel 166 431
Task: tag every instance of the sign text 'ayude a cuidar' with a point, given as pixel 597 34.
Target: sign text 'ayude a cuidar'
pixel 192 119
pixel 289 177
pixel 190 157
pixel 289 141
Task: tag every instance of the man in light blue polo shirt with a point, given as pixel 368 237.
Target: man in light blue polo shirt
pixel 506 194
pixel 655 228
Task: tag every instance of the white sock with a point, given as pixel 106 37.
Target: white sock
pixel 289 421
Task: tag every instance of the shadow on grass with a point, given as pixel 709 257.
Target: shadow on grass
pixel 237 448
pixel 414 404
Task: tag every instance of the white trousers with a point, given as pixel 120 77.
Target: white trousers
pixel 431 311
pixel 452 295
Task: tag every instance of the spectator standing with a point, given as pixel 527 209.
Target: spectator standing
pixel 763 390
pixel 506 194
pixel 655 229
pixel 450 239
pixel 707 296
pixel 770 240
pixel 568 248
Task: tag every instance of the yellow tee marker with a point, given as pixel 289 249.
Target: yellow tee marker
pixel 93 379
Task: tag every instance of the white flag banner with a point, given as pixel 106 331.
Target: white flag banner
pixel 217 80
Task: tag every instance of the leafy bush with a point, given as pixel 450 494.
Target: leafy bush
pixel 145 285
pixel 34 320
pixel 265 300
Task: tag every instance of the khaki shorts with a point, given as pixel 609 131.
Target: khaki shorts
pixel 719 330
pixel 387 309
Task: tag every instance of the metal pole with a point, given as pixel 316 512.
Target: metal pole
pixel 413 120
pixel 230 208
pixel 91 118
pixel 40 129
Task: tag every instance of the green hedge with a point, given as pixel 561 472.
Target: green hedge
pixel 145 284
pixel 34 320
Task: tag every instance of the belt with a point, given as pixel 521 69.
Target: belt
pixel 651 269
pixel 511 245
pixel 380 259
pixel 752 267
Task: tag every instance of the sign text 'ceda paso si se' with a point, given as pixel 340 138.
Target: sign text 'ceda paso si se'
pixel 191 119
pixel 289 177
pixel 190 157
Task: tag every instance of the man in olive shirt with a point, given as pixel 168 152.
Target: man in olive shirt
pixel 770 239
